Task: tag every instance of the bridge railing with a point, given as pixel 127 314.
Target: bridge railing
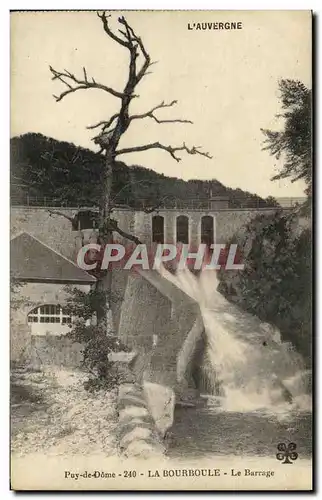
pixel 172 203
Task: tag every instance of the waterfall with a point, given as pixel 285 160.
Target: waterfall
pixel 255 369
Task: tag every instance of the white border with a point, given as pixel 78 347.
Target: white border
pixel 164 5
pixel 315 5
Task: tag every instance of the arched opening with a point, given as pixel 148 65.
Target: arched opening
pixel 207 230
pixel 182 229
pixel 49 318
pixel 157 229
pixel 85 219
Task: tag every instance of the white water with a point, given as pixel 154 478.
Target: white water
pixel 253 376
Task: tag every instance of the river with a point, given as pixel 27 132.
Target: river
pixel 265 395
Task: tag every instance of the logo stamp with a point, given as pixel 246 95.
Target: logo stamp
pixel 286 453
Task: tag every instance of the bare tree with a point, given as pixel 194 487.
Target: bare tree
pixel 112 129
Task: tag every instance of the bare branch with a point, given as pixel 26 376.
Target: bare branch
pixel 80 84
pixel 158 204
pixel 133 43
pixel 68 72
pixel 113 226
pixel 134 38
pixel 170 149
pixel 128 236
pixel 155 207
pixel 56 212
pixel 65 83
pixel 148 72
pixel 105 124
pixel 149 114
pixel 122 33
pixel 109 32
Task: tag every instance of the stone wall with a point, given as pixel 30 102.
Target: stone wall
pixel 58 351
pixel 32 295
pixel 226 223
pixel 52 230
pixel 56 231
pixel 26 298
pixel 156 320
pixel 162 325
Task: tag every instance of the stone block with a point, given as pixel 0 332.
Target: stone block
pixel 162 325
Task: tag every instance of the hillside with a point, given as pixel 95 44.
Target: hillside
pixel 45 170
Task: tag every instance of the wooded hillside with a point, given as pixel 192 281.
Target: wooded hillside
pixel 42 167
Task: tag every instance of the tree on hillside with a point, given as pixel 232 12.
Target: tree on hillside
pixel 45 171
pixel 294 142
pixel 276 282
pixel 112 128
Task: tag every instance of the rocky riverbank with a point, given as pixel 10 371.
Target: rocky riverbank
pixel 52 413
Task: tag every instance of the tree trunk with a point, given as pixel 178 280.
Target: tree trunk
pixel 104 313
pixel 111 133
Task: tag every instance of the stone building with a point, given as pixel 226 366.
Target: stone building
pixel 39 277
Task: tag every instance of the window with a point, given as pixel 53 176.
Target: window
pixel 49 314
pixel 207 230
pixel 182 229
pixel 157 229
pixel 85 219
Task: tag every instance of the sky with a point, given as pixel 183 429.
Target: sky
pixel 226 82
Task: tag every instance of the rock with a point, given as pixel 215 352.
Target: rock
pixel 136 430
pixel 161 402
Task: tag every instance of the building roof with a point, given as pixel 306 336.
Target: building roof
pixel 32 260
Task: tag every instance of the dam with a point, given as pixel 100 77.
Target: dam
pixel 203 362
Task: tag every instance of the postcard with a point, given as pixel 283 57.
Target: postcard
pixel 161 250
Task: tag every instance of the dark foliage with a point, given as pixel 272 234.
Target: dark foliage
pixel 15 299
pixel 103 373
pixel 294 142
pixel 276 281
pixel 42 167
